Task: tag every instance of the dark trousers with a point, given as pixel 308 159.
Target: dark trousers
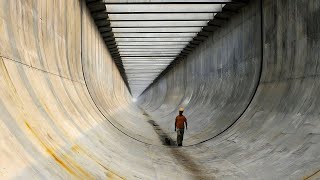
pixel 180 133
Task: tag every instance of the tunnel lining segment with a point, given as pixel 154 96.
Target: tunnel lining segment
pixel 89 92
pixel 98 12
pixel 217 81
pixel 257 85
pixel 230 8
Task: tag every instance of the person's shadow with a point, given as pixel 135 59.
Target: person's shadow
pixel 164 138
pixel 196 171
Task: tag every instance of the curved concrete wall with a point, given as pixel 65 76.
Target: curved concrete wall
pixel 65 112
pixel 278 135
pixel 50 127
pixel 214 84
pixel 107 89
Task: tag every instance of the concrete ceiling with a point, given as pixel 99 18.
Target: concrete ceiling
pixel 149 36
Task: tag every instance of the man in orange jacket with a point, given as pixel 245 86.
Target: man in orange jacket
pixel 179 126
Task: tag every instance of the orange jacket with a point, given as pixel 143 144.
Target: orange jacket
pixel 180 120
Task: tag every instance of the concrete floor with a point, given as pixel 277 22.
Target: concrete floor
pixel 252 103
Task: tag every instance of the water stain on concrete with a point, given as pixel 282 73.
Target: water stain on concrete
pixel 62 160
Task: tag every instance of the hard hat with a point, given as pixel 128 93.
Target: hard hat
pixel 181 109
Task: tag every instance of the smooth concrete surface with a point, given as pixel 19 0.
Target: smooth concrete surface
pixel 214 84
pixel 278 136
pixel 65 112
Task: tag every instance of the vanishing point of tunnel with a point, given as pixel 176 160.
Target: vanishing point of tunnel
pixel 90 89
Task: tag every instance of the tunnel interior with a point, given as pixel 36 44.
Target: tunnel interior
pixel 248 79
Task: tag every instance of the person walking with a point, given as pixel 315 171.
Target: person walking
pixel 179 126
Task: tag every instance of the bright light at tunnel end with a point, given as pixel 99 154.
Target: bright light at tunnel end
pixel 134 99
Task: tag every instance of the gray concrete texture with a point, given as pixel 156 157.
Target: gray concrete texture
pixel 65 112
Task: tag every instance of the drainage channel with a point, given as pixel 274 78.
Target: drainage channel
pixel 180 156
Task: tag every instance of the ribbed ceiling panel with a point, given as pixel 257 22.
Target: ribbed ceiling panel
pixel 150 35
pixel 147 37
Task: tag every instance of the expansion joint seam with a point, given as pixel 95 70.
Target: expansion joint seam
pixel 29 66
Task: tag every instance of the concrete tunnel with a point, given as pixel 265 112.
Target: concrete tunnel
pixel 247 75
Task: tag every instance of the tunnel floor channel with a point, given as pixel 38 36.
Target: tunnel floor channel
pixel 164 138
pixel 195 170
